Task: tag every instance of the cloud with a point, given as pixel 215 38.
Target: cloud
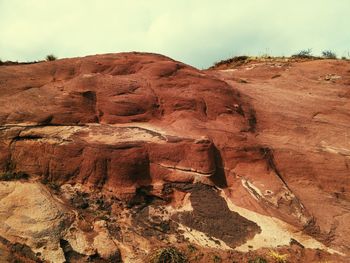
pixel 193 31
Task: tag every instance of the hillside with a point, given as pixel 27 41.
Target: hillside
pixel 107 158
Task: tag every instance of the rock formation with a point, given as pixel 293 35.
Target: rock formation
pixel 115 155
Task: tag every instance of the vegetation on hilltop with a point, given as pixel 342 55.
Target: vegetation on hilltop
pixel 305 54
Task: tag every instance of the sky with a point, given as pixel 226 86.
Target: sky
pixel 197 32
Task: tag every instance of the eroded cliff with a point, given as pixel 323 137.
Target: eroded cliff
pixel 124 153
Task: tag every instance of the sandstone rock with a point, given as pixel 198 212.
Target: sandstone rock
pixel 138 100
pixel 118 123
pixel 30 215
pixel 305 121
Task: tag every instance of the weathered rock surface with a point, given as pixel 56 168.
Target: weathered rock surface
pixel 111 116
pixel 130 125
pixel 30 215
pixel 303 116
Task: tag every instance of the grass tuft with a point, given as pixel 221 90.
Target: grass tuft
pixel 168 255
pixel 278 258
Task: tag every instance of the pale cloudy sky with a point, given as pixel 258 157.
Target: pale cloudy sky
pixel 197 32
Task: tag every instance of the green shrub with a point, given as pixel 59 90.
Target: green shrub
pixel 306 53
pixel 329 54
pixel 51 57
pixel 12 176
pixel 168 255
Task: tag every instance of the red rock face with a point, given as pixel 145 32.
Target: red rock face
pixel 117 122
pixel 114 121
pixel 303 116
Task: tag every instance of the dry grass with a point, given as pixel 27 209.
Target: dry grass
pixel 167 255
pixel 278 258
pixel 329 54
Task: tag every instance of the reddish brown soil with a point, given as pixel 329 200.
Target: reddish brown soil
pixel 211 216
pixel 296 254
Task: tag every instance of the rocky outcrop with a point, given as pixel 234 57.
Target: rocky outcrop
pixel 107 120
pixel 130 125
pixel 31 215
pixel 303 119
pixel 109 157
